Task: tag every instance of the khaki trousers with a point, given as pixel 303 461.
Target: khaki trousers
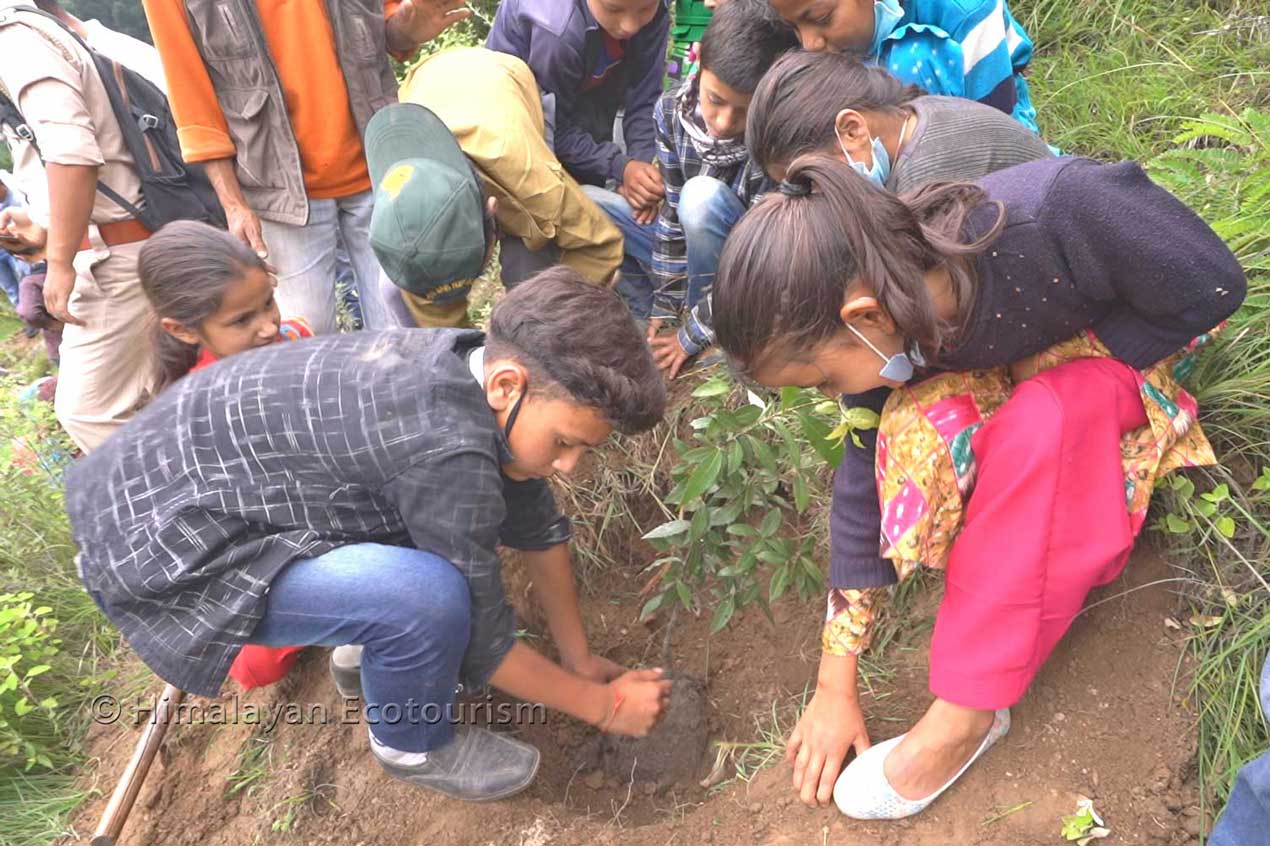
pixel 107 369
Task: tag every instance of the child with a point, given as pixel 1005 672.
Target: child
pixel 592 58
pixel 973 49
pixel 836 284
pixel 709 177
pixel 230 310
pixel 353 489
pixel 543 216
pixel 891 133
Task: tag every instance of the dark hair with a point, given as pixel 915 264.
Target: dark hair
pixel 788 262
pixel 797 102
pixel 581 339
pixel 742 40
pixel 185 268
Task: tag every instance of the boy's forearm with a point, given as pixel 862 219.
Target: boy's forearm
pixel 527 675
pixel 552 574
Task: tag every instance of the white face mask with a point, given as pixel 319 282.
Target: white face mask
pixel 898 367
pixel 881 169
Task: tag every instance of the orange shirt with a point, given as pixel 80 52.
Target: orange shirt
pixel 302 45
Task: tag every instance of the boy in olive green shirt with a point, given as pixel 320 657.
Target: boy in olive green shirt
pixel 543 216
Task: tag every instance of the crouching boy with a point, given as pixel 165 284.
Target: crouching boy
pixel 353 489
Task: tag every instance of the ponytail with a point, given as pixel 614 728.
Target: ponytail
pixel 797 103
pixel 787 264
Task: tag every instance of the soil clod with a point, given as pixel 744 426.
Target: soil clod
pixel 673 753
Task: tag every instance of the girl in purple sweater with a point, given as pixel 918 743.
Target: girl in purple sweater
pixel 1022 338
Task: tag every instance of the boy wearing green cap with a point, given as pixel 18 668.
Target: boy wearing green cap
pixel 353 489
pixel 543 216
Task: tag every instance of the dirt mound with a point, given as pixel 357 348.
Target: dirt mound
pixel 1102 720
pixel 674 751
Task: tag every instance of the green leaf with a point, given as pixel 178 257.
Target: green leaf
pixel 802 497
pixel 23 707
pixel 816 432
pixel 1226 525
pixel 44 668
pixel 780 582
pixel 1176 524
pixel 771 523
pixel 1217 494
pixel 766 456
pixel 722 614
pixel 684 595
pixel 736 455
pixel 744 418
pixel 743 530
pixel 668 530
pixel 1262 482
pixel 789 396
pixel 652 605
pixel 703 477
pixel 1184 486
pixel 714 387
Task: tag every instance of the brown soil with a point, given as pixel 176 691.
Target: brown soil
pixel 1102 720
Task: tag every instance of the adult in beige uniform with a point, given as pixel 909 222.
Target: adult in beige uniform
pixel 91 243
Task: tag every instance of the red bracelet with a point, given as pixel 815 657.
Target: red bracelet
pixel 617 706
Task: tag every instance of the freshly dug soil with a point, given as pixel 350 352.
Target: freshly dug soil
pixel 1105 719
pixel 674 751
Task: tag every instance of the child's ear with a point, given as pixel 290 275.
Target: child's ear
pixel 853 133
pixel 505 382
pixel 180 331
pixel 864 312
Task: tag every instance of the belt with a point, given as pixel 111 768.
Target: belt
pixel 120 232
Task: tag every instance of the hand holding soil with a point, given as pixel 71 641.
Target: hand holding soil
pixel 639 697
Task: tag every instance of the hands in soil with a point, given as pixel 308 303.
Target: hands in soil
pixel 831 725
pixel 640 697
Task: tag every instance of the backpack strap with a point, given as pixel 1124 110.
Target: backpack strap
pixel 11 117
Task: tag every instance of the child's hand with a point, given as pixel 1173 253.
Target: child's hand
pixel 668 352
pixel 641 184
pixel 646 216
pixel 596 668
pixel 639 697
pixel 830 726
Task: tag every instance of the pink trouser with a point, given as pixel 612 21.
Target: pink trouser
pixel 1046 522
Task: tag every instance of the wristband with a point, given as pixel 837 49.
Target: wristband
pixel 618 699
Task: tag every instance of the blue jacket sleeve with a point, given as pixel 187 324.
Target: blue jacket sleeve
pixel 855 518
pixel 648 68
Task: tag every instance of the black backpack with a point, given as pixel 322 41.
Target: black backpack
pixel 170 189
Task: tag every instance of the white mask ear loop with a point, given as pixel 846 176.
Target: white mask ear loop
pixel 867 342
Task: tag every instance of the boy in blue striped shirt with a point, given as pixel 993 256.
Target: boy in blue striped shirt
pixel 961 48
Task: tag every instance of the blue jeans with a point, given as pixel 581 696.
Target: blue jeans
pixel 635 286
pixel 304 258
pixel 407 608
pixel 1247 814
pixel 708 209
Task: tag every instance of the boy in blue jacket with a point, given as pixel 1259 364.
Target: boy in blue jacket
pixel 960 48
pixel 591 58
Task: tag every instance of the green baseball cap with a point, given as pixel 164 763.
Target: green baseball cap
pixel 428 226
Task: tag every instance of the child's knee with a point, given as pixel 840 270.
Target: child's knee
pixel 699 200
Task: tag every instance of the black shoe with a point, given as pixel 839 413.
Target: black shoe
pixel 478 765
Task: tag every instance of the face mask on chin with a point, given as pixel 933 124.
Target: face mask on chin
pixel 898 367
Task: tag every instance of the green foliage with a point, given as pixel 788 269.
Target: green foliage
pixel 120 15
pixel 743 490
pixel 28 644
pixel 1217 522
pixel 1112 79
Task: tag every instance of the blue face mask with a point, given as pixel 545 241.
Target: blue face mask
pixel 898 367
pixel 886 14
pixel 881 170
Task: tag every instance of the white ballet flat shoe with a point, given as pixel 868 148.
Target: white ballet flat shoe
pixel 863 792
